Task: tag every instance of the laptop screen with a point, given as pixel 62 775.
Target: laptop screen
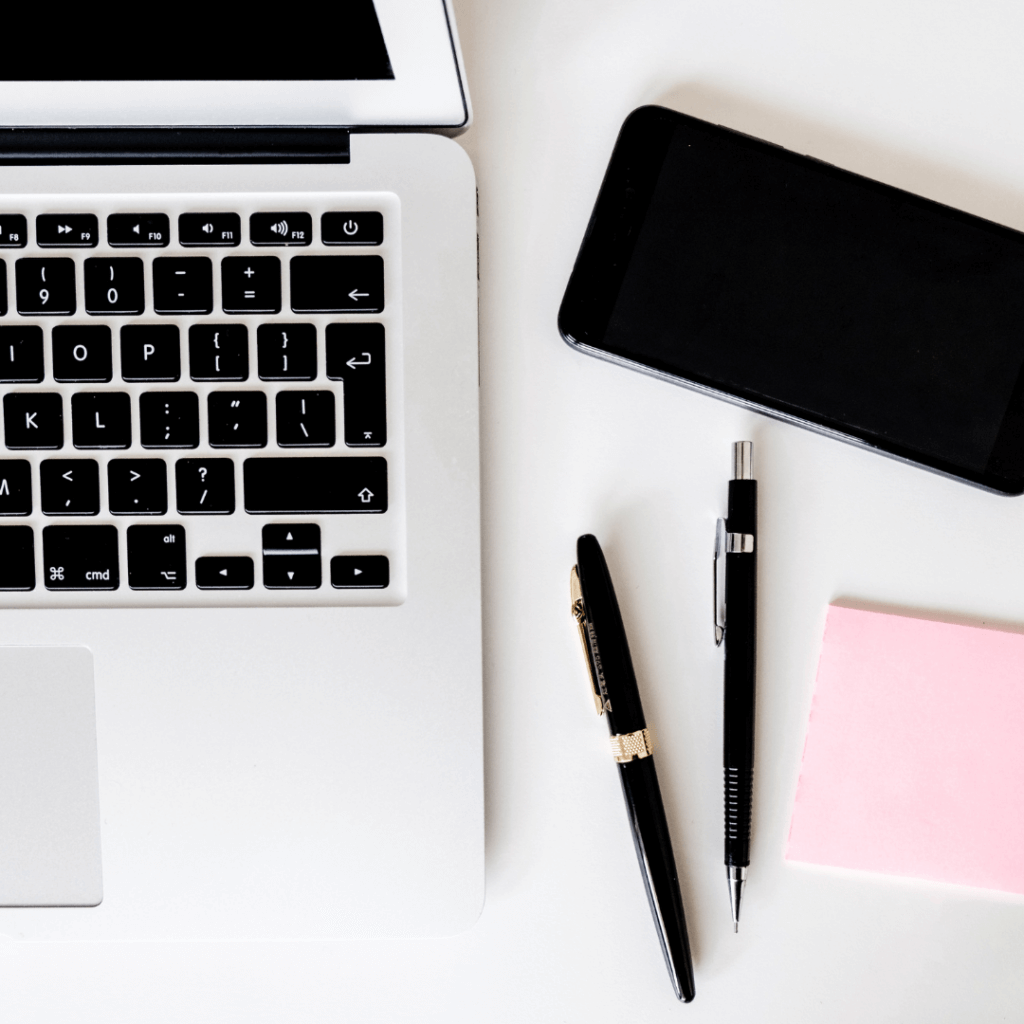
pixel 194 40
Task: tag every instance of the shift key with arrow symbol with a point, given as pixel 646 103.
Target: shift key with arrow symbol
pixel 337 284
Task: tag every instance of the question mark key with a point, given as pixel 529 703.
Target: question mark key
pixel 205 486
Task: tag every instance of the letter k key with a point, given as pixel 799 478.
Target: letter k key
pixel 33 421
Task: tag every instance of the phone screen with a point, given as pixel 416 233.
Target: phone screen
pixel 790 284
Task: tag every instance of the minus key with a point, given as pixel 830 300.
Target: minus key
pixel 224 572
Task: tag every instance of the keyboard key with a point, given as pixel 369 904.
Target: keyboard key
pixel 150 352
pixel 360 572
pixel 305 419
pixel 33 421
pixel 218 351
pixel 337 284
pixel 169 419
pixel 315 484
pixel 355 354
pixel 46 287
pixel 291 556
pixel 156 557
pixel 3 288
pixel 286 351
pixel 101 419
pixel 82 353
pixel 80 558
pixel 67 230
pixel 21 354
pixel 137 487
pixel 358 227
pixel 205 487
pixel 251 284
pixel 280 229
pixel 13 231
pixel 138 230
pixel 224 572
pixel 17 558
pixel 69 487
pixel 183 284
pixel 15 487
pixel 114 286
pixel 209 229
pixel 238 419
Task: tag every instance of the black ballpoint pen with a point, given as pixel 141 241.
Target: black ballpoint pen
pixel 736 623
pixel 616 695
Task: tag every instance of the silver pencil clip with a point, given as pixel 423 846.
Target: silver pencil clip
pixel 718 586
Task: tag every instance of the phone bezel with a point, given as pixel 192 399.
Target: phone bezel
pixel 607 247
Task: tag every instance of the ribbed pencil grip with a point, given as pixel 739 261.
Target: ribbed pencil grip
pixel 737 816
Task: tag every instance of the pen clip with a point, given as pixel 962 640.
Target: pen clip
pixel 718 585
pixel 580 615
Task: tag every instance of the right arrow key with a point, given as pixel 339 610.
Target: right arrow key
pixel 337 284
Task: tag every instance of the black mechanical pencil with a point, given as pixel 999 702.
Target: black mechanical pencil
pixel 736 623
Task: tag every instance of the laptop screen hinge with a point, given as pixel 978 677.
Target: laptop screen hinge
pixel 220 145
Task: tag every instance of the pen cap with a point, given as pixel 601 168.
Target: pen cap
pixel 606 632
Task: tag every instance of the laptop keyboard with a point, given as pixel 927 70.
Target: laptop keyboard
pixel 201 400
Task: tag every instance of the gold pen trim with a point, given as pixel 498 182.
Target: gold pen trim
pixel 590 655
pixel 627 745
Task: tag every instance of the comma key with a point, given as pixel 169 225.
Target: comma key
pixel 80 558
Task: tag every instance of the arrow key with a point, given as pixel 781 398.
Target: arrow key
pixel 363 572
pixel 137 487
pixel 291 556
pixel 221 572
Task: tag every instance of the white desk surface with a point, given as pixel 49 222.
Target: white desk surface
pixel 929 97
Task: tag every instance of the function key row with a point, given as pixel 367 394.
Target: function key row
pixel 200 230
pixel 86 558
pixel 138 487
pixel 184 284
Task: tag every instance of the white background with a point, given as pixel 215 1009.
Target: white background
pixel 927 96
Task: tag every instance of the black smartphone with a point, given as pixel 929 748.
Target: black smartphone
pixel 809 293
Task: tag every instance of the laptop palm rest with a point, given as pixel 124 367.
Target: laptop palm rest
pixel 49 793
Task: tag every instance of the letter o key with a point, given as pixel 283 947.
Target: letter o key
pixel 81 353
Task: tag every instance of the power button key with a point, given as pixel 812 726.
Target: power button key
pixel 355 227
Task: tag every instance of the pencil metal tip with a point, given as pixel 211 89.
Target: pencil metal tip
pixel 737 876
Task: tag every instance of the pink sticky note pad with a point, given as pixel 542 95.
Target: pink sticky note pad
pixel 914 758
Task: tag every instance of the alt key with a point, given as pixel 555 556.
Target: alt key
pixel 224 573
pixel 361 572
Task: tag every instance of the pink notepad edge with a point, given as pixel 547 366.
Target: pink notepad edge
pixel 913 761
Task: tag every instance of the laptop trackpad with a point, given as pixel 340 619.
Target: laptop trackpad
pixel 49 792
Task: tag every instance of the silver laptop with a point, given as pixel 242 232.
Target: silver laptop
pixel 240 669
